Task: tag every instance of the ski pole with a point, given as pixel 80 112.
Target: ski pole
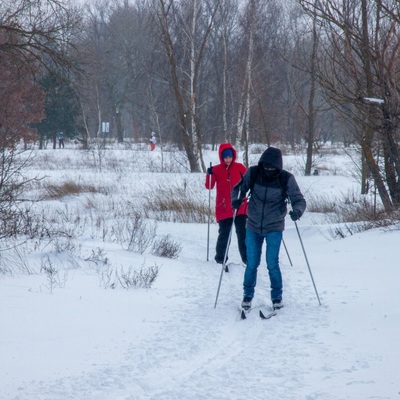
pixel 308 264
pixel 225 257
pixel 287 253
pixel 226 252
pixel 209 214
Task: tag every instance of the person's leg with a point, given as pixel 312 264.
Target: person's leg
pixel 273 240
pixel 240 226
pixel 222 241
pixel 254 242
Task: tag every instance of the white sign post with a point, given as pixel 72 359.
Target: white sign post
pixel 105 128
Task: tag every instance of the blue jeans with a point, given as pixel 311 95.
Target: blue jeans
pixel 254 242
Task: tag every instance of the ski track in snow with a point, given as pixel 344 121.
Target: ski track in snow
pixel 198 349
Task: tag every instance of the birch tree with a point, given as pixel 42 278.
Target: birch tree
pixel 222 60
pixel 185 64
pixel 251 18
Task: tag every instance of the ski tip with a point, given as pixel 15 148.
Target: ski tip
pixel 268 316
pixel 243 315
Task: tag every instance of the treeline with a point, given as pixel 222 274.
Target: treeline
pixel 205 71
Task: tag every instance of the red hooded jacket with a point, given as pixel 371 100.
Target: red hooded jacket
pixel 226 178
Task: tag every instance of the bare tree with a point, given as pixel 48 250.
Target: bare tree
pixel 360 59
pixel 250 22
pixel 304 83
pixel 33 35
pixel 265 107
pixel 185 71
pixel 45 30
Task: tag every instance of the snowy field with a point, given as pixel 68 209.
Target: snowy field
pixel 76 339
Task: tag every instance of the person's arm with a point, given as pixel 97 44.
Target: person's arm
pixel 296 198
pixel 240 190
pixel 210 178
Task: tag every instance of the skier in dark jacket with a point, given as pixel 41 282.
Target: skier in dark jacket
pixel 270 185
pixel 225 176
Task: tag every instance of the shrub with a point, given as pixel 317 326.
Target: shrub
pixel 321 204
pixel 143 278
pixel 166 247
pixel 16 262
pixel 354 214
pixel 140 233
pixel 98 257
pixel 53 275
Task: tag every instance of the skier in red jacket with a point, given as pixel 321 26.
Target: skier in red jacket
pixel 226 175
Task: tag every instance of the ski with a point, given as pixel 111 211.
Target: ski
pixel 244 312
pixel 267 316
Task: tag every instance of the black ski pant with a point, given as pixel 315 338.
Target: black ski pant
pixel 223 237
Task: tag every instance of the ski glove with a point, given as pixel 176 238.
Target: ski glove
pixel 210 170
pixel 236 203
pixel 295 215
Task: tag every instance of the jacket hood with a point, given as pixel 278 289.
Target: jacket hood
pixel 223 147
pixel 271 158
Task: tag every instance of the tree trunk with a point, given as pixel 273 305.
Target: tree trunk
pixel 391 157
pixel 374 169
pixel 195 129
pixel 118 123
pixel 244 105
pixel 311 112
pixel 224 89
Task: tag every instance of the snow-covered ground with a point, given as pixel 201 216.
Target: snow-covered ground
pixel 169 343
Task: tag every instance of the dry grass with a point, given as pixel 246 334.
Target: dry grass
pixel 175 204
pixel 351 214
pixel 70 188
